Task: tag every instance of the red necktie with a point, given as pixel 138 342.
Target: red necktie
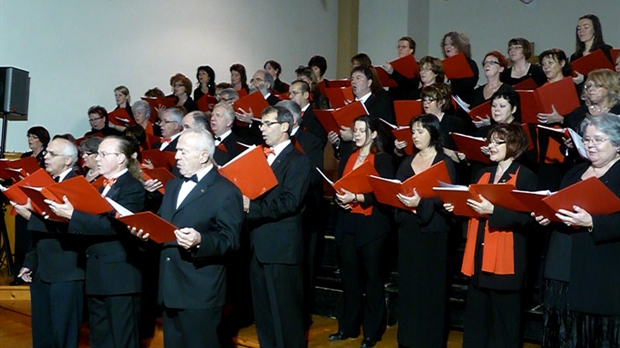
pixel 109 182
pixel 268 151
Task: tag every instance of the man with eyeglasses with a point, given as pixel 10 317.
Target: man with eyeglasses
pixel 98 119
pixel 171 123
pixel 261 81
pixel 406 86
pixel 54 265
pixel 299 92
pixel 276 237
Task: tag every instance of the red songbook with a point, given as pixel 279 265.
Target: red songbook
pixel 533 201
pixel 158 103
pixel 120 117
pixel 250 172
pixel 561 94
pixel 355 181
pixel 406 66
pixel 526 85
pixel 385 190
pixel 339 96
pixel 614 54
pixel 337 83
pixel 18 169
pixel 406 110
pixel 242 92
pixel 326 119
pixel 457 67
pixel 401 133
pixel 528 107
pixel 483 111
pixel 384 78
pixel 39 178
pixel 98 183
pixel 593 61
pixel 159 230
pixel 590 195
pixel 82 195
pixel 500 195
pixel 254 102
pixel 161 174
pixel 345 115
pixel 470 146
pixel 151 140
pixel 458 195
pixel 206 103
pixel 159 158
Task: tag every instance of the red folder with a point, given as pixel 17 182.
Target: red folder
pixel 534 203
pixel 614 54
pixel 250 172
pixel 404 134
pixel 161 174
pixel 457 67
pixel 345 115
pixel 40 178
pixel 593 61
pixel 384 78
pixel 470 146
pixel 151 140
pixel 385 190
pixel 120 117
pixel 254 102
pixel 526 85
pixel 97 183
pixel 500 195
pixel 337 83
pixel 19 168
pixel 242 92
pixel 406 66
pixel 326 119
pixel 82 195
pixel 561 94
pixel 356 181
pixel 591 195
pixel 406 110
pixel 206 103
pixel 159 230
pixel 159 158
pixel 483 111
pixel 339 96
pixel 158 103
pixel 528 107
pixel 458 196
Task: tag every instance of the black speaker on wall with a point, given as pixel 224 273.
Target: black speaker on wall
pixel 14 91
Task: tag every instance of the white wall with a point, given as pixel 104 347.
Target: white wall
pixel 78 51
pixel 381 24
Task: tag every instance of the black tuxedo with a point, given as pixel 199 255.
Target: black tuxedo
pixel 113 278
pixel 312 125
pixel 193 281
pixel 57 289
pixel 272 100
pixel 172 147
pixel 220 157
pixel 276 239
pixel 230 144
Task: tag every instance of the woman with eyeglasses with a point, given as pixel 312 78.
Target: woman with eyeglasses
pixel 88 150
pixel 495 251
pixel 519 52
pixel 581 301
pixel 361 232
pixel 423 244
pixel 453 43
pixel 182 87
pixel 493 66
pixel 431 72
pixel 98 119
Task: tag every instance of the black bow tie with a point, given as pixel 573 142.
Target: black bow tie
pixel 218 138
pixel 193 178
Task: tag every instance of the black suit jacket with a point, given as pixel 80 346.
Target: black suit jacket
pixel 230 144
pixel 55 255
pixel 275 218
pixel 172 147
pixel 196 278
pixel 112 258
pixel 314 152
pixel 272 100
pixel 312 125
pixel 220 157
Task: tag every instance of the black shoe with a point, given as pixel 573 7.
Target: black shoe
pixel 368 342
pixel 340 336
pixel 17 282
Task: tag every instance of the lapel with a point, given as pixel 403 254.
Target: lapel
pixel 282 156
pixel 198 191
pixel 508 174
pixel 117 187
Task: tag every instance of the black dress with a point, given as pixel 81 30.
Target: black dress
pixel 535 72
pixel 422 266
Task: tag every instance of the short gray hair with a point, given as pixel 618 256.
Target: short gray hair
pixel 268 79
pixel 69 149
pixel 203 140
pixel 177 116
pixel 229 93
pixel 142 106
pixel 605 123
pixel 229 112
pixel 293 107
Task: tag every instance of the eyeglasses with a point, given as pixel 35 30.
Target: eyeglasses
pixel 496 143
pixel 104 154
pixel 489 62
pixel 595 140
pixel 402 47
pixel 515 48
pixel 165 121
pixel 91 120
pixel 590 86
pixel 428 100
pixel 51 153
pixel 267 123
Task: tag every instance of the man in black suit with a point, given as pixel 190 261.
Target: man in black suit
pixel 276 237
pixel 113 278
pixel 199 120
pixel 300 93
pixel 171 123
pixel 261 81
pixel 208 210
pixel 222 120
pixel 55 264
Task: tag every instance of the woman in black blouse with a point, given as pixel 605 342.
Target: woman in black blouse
pixel 519 52
pixel 182 87
pixel 423 245
pixel 588 38
pixel 206 82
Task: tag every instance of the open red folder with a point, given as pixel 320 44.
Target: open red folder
pixel 18 168
pixel 385 190
pixel 533 201
pixel 82 195
pixel 590 195
pixel 526 85
pixel 337 83
pixel 326 119
pixel 561 94
pixel 250 172
pixel 483 111
pixel 158 103
pixel 355 181
pixel 98 183
pixel 159 230
pixel 384 77
pixel 345 115
pixel 16 194
pixel 159 158
pixel 593 61
pixel 161 174
pixel 500 195
pixel 401 133
pixel 406 66
pixel 339 96
pixel 254 102
pixel 406 110
pixel 528 106
pixel 206 103
pixel 120 117
pixel 470 146
pixel 457 67
pixel 614 54
pixel 458 195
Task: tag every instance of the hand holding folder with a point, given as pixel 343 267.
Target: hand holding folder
pixel 406 66
pixel 161 174
pixel 339 96
pixel 159 158
pixel 157 104
pixel 457 67
pixel 16 194
pixel 18 169
pixel 150 225
pixel 593 61
pixel 470 146
pixel 250 172
pixel 457 196
pixel 254 103
pixel 384 77
pixel 561 94
pixel 355 181
pixel 402 133
pixel 120 117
